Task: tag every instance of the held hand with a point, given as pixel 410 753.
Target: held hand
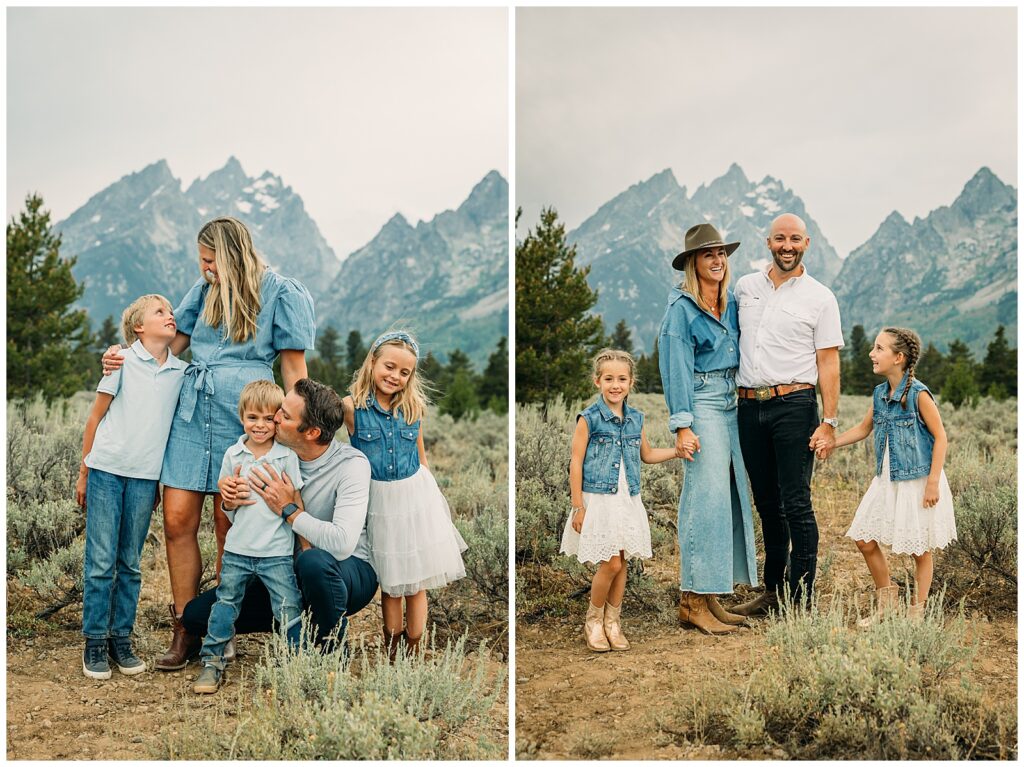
pixel 687 443
pixel 80 485
pixel 823 441
pixel 577 519
pixel 112 359
pixel 931 493
pixel 277 491
pixel 234 490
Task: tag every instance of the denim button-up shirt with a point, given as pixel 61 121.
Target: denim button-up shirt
pixel 387 441
pixel 910 442
pixel 612 440
pixel 693 341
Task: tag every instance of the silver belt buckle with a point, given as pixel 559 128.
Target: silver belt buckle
pixel 762 393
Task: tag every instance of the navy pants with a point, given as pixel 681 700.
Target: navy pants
pixel 774 437
pixel 332 591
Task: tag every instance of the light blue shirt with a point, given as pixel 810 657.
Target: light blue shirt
pixel 131 438
pixel 256 531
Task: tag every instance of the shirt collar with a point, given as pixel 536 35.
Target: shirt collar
pixel 377 406
pixel 771 263
pixel 898 394
pixel 143 354
pixel 608 415
pixel 276 451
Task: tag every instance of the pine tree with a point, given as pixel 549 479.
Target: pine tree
pixel 932 368
pixel 494 385
pixel 460 387
pixel 999 369
pixel 109 335
pixel 554 332
pixel 961 387
pixel 355 351
pixel 431 371
pixel 621 337
pixel 857 376
pixel 327 345
pixel 45 336
pixel 648 372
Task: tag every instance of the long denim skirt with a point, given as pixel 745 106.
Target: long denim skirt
pixel 716 528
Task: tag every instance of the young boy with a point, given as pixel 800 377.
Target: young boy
pixel 260 543
pixel 122 452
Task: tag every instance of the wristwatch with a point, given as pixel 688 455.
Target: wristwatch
pixel 833 422
pixel 289 509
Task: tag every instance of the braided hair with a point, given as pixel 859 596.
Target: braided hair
pixel 907 343
pixel 615 355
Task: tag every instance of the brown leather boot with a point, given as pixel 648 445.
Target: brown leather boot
pixel 230 650
pixel 184 647
pixel 758 607
pixel 723 615
pixel 391 642
pixel 694 612
pixel 412 646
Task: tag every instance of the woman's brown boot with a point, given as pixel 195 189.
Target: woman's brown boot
pixel 694 612
pixel 593 629
pixel 612 627
pixel 723 615
pixel 184 647
pixel 391 642
pixel 412 646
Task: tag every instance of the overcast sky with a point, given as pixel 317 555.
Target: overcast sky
pixel 363 112
pixel 860 111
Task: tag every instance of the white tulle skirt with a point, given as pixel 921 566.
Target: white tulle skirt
pixel 893 513
pixel 614 522
pixel 413 543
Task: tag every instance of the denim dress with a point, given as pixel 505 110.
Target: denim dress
pixel 413 543
pixel 206 422
pixel 698 357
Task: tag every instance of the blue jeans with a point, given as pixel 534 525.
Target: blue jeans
pixel 118 511
pixel 237 571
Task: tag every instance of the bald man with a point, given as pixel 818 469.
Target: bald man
pixel 790 337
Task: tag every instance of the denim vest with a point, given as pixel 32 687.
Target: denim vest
pixel 387 441
pixel 910 442
pixel 611 440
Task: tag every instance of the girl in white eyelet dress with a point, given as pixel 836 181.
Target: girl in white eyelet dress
pixel 609 525
pixel 909 505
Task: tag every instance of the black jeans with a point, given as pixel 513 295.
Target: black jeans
pixel 332 590
pixel 774 437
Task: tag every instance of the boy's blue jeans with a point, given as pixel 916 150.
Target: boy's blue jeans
pixel 278 576
pixel 118 512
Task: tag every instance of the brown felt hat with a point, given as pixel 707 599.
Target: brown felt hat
pixel 700 237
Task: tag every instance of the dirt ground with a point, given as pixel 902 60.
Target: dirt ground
pixel 55 712
pixel 575 704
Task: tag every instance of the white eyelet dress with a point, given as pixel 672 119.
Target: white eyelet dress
pixel 614 522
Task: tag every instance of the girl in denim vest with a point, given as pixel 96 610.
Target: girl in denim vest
pixel 609 522
pixel 413 544
pixel 909 505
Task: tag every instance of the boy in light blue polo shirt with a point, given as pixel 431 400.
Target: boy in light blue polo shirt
pixel 260 542
pixel 122 452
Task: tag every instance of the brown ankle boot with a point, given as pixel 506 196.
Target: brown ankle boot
pixel 391 642
pixel 723 615
pixel 760 606
pixel 184 647
pixel 412 646
pixel 694 612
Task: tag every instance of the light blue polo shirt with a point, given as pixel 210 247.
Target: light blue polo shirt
pixel 131 438
pixel 256 531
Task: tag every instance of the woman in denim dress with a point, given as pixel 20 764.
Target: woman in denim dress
pixel 270 316
pixel 699 353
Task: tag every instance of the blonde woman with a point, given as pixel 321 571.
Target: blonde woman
pixel 698 354
pixel 237 319
pixel 413 544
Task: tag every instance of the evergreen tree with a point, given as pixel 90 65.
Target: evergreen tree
pixel 431 371
pixel 554 332
pixel 45 336
pixel 999 369
pixel 648 372
pixel 856 374
pixel 327 345
pixel 961 387
pixel 355 350
pixel 932 368
pixel 621 337
pixel 109 335
pixel 460 400
pixel 494 385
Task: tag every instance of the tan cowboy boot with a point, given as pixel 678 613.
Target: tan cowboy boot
pixel 723 615
pixel 694 612
pixel 887 598
pixel 612 627
pixel 184 646
pixel 593 629
pixel 916 612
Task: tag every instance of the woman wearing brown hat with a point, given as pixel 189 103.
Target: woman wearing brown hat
pixel 699 352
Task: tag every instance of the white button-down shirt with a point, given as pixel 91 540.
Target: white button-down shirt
pixel 131 438
pixel 782 329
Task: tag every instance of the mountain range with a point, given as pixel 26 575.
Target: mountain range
pixel 629 242
pixel 446 278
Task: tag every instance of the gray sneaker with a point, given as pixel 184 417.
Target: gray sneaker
pixel 94 659
pixel 208 680
pixel 120 651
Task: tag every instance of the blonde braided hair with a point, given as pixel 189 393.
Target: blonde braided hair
pixel 907 343
pixel 615 355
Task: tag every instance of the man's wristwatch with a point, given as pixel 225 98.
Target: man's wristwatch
pixel 833 422
pixel 289 509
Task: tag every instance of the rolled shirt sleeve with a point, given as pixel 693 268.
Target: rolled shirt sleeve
pixel 675 360
pixel 340 534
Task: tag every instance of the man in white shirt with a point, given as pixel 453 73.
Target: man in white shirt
pixel 790 337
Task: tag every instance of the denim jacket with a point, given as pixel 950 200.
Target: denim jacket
pixel 611 440
pixel 910 442
pixel 387 441
pixel 692 341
